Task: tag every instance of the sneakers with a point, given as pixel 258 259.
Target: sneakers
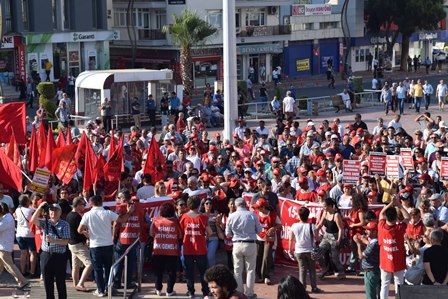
pixel 251 296
pixel 173 293
pixel 316 291
pixel 190 295
pixel 267 281
pixel 98 294
pixel 23 286
pixel 340 276
pixel 158 293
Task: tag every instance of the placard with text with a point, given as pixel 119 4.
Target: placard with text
pixel 377 163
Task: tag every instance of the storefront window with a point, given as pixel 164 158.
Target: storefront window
pixel 6 67
pixel 205 72
pixel 92 102
pixel 59 60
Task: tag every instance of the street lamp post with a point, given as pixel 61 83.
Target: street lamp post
pixel 230 76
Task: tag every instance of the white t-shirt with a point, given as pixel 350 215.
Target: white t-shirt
pixel 288 104
pixel 99 223
pixel 7 200
pixel 7 233
pixel 23 216
pixel 145 192
pixel 302 235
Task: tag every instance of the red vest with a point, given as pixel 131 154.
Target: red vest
pixel 228 244
pixel 166 236
pixel 132 228
pixel 194 234
pixel 392 250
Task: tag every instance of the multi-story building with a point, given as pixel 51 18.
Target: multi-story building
pixel 71 34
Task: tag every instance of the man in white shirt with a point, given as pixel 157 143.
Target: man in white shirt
pixel 379 127
pixel 346 99
pixel 441 94
pixel 395 122
pixel 288 105
pixel 427 92
pixel 97 223
pixel 401 95
pixel 262 130
pixel 147 190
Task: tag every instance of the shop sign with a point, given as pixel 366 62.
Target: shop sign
pixel 176 2
pixel 379 40
pixel 199 52
pixel 427 36
pixel 303 65
pixel 310 9
pixel 64 37
pixel 444 168
pixel 20 66
pixel 8 42
pixel 263 31
pixel 259 49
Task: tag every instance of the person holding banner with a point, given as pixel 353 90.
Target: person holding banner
pixel 332 220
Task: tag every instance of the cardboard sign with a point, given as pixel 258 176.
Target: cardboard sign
pixel 444 169
pixel 351 171
pixel 393 166
pixel 40 180
pixel 406 158
pixel 377 163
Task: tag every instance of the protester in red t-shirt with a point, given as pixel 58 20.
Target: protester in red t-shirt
pixel 357 221
pixel 415 228
pixel 194 227
pixel 391 240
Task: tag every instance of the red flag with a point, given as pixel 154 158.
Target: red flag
pixel 112 146
pixel 60 141
pixel 33 158
pixel 64 163
pixel 81 151
pixel 51 146
pixel 112 171
pixel 13 116
pixel 99 173
pixel 89 166
pixel 12 151
pixel 69 139
pixel 155 162
pixel 41 145
pixel 11 175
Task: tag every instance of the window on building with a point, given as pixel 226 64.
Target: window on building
pixel 160 19
pixel 237 19
pixel 328 25
pixel 7 17
pixel 255 17
pixel 94 14
pixel 302 26
pixel 66 10
pixel 120 17
pixel 54 12
pixel 214 18
pixel 357 56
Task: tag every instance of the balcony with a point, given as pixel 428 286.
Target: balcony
pixel 151 34
pixel 260 31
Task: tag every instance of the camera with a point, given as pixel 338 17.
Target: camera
pixel 46 208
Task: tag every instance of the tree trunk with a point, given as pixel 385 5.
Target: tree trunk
pixel 404 52
pixel 186 65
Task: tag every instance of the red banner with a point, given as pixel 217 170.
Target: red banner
pixel 444 168
pixel 351 171
pixel 63 163
pixel 12 117
pixel 11 176
pixel 152 205
pixel 377 163
pixel 393 166
pixel 406 158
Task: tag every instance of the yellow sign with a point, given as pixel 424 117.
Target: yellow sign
pixel 40 180
pixel 303 65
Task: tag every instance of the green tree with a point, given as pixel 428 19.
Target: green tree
pixel 188 31
pixel 409 15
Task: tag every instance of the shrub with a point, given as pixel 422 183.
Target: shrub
pixel 47 94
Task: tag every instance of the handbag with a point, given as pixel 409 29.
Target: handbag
pixel 317 252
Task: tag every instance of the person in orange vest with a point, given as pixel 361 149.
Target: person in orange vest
pixel 166 250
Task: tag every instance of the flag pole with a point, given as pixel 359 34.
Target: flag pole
pixel 26 176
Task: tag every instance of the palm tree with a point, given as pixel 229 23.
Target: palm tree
pixel 188 31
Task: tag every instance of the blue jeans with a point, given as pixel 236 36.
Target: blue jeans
pixel 401 104
pixel 102 262
pixel 132 263
pixel 201 263
pixel 418 103
pixel 264 101
pixel 212 246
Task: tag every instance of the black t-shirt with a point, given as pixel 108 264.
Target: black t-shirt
pixel 65 207
pixel 263 92
pixel 74 219
pixel 437 257
pixel 271 197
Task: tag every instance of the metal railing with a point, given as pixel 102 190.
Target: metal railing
pixel 151 34
pixel 125 271
pixel 257 31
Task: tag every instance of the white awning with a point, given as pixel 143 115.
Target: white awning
pixel 103 79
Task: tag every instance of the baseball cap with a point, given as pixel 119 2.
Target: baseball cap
pixel 260 162
pixel 424 176
pixel 338 157
pixel 239 163
pixel 321 172
pixel 55 206
pixel 328 133
pixel 261 202
pixel 310 134
pixel 276 171
pixel 334 136
pixel 217 135
pixel 321 192
pixel 247 169
pixel 310 123
pixel 372 194
pixel 301 169
pixel 302 179
pixel 275 159
pixel 348 186
pixel 435 196
pixel 371 226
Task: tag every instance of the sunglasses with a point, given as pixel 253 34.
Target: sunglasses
pixel 208 203
pixel 181 205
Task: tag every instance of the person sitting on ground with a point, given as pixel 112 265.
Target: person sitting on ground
pixel 222 283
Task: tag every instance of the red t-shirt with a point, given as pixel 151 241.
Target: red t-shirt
pixel 228 244
pixel 392 250
pixel 266 222
pixel 194 234
pixel 166 236
pixel 306 196
pixel 414 230
pixel 132 228
pixel 354 219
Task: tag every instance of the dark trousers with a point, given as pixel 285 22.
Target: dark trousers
pixel 53 269
pixel 427 101
pixel 201 263
pixel 132 263
pixel 102 262
pixel 162 263
pixel 264 259
pixel 152 117
pixel 107 123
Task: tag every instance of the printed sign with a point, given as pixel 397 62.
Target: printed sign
pixel 40 180
pixel 351 171
pixel 303 65
pixel 406 158
pixel 310 9
pixel 444 168
pixel 393 166
pixel 377 163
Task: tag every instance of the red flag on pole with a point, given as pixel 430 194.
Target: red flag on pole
pixel 69 139
pixel 13 116
pixel 60 141
pixel 41 145
pixel 51 146
pixel 33 158
pixel 112 171
pixel 155 162
pixel 113 145
pixel 11 174
pixel 89 166
pixel 81 151
pixel 99 180
pixel 63 162
pixel 12 151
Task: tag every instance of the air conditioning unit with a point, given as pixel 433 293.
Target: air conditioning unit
pixel 272 10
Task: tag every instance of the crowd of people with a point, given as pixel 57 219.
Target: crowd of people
pixel 68 230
